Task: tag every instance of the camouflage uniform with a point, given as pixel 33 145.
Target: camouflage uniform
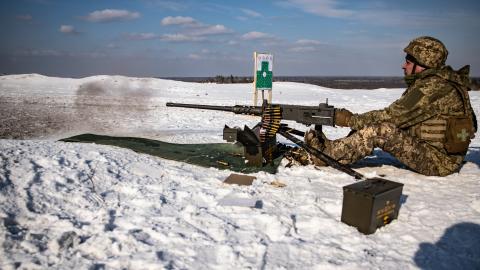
pixel 414 128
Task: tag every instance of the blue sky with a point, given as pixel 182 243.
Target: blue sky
pixel 207 38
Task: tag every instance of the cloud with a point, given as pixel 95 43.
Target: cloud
pixel 112 46
pixel 179 20
pixel 381 15
pixel 36 52
pixel 181 38
pixel 24 17
pixel 165 4
pixel 254 35
pixel 324 8
pixel 211 30
pixel 306 42
pixel 194 56
pixel 193 30
pixel 250 13
pixel 306 45
pixel 111 15
pixel 404 18
pixel 201 29
pixel 68 29
pixel 303 49
pixel 141 36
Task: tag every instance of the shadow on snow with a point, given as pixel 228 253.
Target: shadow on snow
pixel 458 248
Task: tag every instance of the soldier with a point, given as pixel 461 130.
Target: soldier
pixel 428 128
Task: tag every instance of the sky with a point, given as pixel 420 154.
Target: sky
pixel 166 38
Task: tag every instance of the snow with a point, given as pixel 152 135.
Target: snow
pixel 87 206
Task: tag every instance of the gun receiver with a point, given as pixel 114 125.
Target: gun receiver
pixel 323 114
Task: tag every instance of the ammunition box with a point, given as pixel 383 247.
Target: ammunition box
pixel 370 204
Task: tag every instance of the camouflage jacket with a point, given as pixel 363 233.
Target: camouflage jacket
pixel 432 97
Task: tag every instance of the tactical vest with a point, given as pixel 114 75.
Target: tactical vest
pixel 450 132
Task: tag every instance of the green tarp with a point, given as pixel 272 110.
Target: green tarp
pixel 217 155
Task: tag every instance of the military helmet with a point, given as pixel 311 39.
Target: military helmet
pixel 428 52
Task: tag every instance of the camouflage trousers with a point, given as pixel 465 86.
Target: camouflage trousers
pixel 417 155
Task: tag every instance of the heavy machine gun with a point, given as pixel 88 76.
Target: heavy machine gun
pixel 260 144
pixel 323 114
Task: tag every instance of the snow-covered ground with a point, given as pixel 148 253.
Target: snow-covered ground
pixel 87 206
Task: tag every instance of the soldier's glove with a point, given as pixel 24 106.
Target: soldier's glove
pixel 342 117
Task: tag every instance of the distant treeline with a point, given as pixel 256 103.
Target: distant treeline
pixel 337 82
pixel 228 79
pixel 475 83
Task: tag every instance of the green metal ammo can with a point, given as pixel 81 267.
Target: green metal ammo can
pixel 370 204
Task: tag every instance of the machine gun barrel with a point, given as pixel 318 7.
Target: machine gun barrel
pixel 323 114
pixel 238 109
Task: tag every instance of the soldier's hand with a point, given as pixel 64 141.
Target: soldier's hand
pixel 342 117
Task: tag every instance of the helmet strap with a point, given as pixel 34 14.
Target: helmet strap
pixel 412 59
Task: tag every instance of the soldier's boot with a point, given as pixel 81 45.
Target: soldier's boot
pixel 298 156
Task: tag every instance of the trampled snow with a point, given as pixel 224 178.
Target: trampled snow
pixel 86 206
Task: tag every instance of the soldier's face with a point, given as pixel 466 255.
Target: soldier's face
pixel 408 67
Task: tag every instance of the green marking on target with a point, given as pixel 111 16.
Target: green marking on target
pixel 264 77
